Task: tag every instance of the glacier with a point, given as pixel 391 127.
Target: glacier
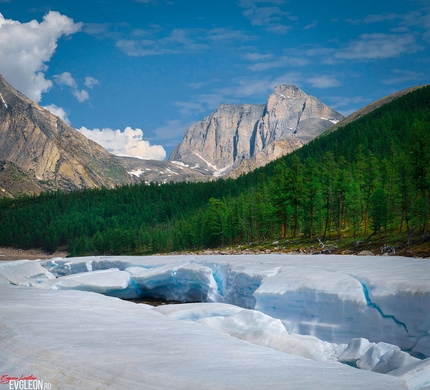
pixel 365 318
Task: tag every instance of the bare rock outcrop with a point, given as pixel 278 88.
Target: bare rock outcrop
pixel 238 138
pixel 47 152
pixel 221 140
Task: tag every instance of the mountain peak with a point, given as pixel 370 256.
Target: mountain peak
pixel 290 90
pixel 237 132
pixel 47 151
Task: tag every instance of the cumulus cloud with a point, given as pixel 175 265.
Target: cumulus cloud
pixel 58 111
pixel 90 82
pixel 66 78
pixel 25 48
pixel 81 95
pixel 129 142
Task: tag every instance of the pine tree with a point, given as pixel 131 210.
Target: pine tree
pixel 378 211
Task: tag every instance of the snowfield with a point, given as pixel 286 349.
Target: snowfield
pixel 252 322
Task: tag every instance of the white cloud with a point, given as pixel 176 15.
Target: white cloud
pixel 324 81
pixel 202 84
pixel 66 78
pixel 189 108
pixel 180 40
pixel 250 3
pixel 134 48
pixel 243 88
pixel 311 25
pixel 269 17
pixel 373 19
pixel 129 142
pixel 373 46
pixel 25 48
pixel 258 86
pixel 279 29
pixel 90 82
pixel 225 35
pixel 58 111
pixel 279 63
pixel 81 95
pixel 341 101
pixel 420 20
pixel 257 56
pixel 320 52
pixel 263 16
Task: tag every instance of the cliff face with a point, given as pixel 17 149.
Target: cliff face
pixel 221 139
pixel 46 151
pixel 238 138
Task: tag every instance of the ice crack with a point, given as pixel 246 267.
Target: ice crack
pixel 373 305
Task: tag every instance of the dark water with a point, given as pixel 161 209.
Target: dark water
pixel 154 301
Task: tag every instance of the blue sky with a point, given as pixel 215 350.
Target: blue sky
pixel 134 74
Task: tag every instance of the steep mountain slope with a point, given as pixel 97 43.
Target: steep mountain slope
pixel 47 153
pixel 250 134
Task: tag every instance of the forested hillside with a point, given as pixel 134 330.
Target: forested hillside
pixel 369 178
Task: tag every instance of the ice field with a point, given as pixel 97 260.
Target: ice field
pixel 253 322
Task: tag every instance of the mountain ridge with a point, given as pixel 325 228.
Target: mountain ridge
pixel 237 138
pixel 48 152
pixel 370 107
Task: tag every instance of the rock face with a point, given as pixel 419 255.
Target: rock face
pixel 238 138
pixel 221 140
pixel 45 153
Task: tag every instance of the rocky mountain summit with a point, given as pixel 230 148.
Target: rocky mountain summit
pixel 39 151
pixel 238 138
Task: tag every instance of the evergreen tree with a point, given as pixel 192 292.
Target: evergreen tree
pixel 378 211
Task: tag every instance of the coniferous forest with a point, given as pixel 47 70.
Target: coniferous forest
pixel 369 179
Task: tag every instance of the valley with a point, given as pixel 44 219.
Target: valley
pixel 360 187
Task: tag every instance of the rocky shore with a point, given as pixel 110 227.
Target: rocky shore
pixel 7 254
